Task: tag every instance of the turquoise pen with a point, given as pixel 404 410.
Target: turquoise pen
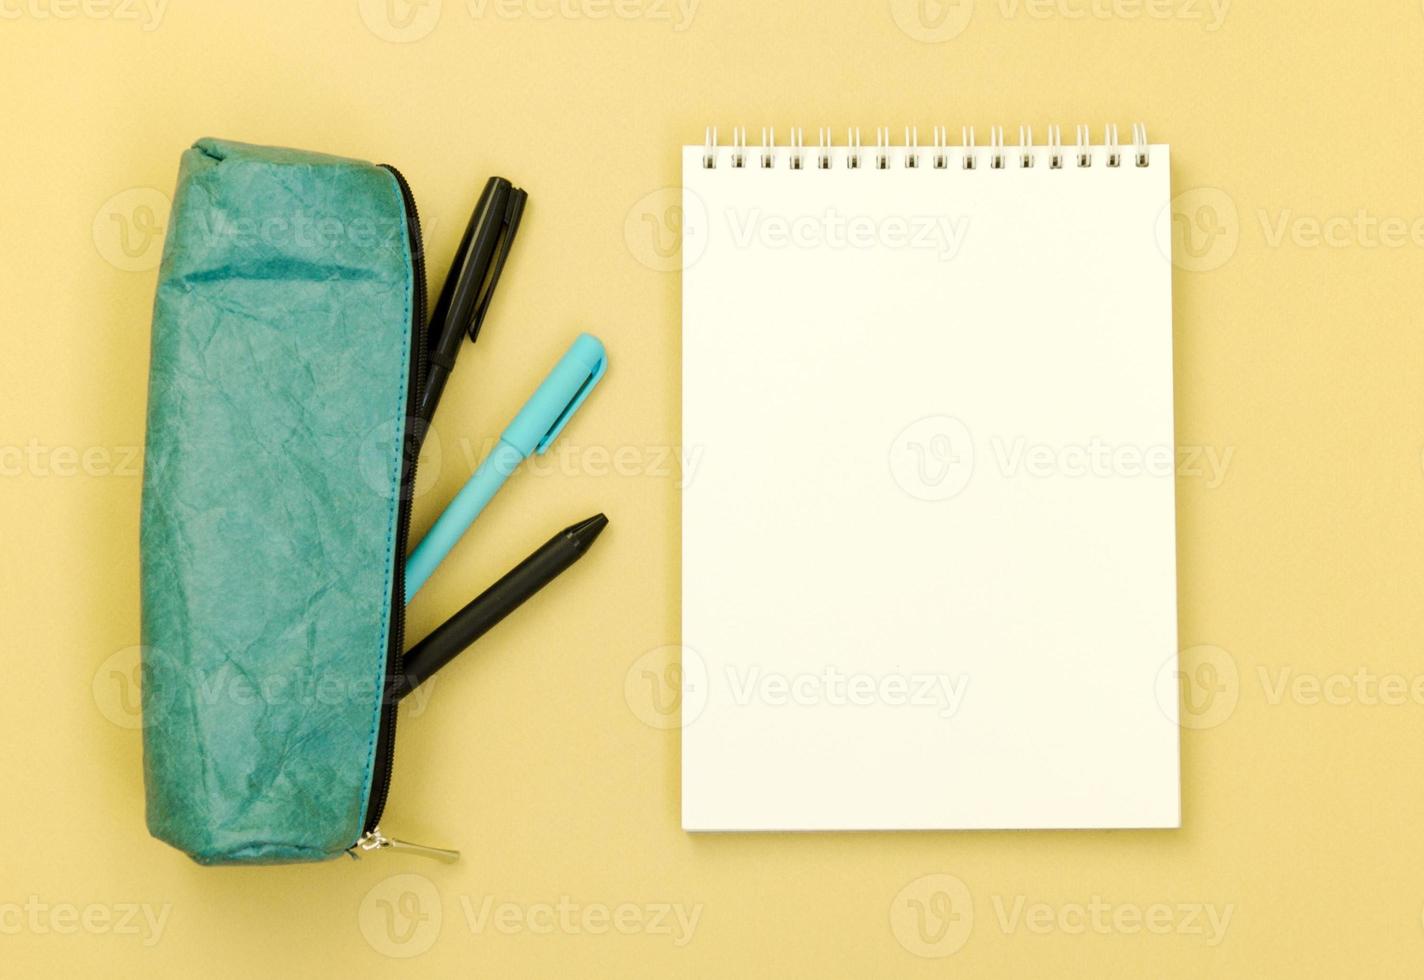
pixel 536 426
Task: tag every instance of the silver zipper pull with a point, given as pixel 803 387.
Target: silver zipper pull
pixel 374 840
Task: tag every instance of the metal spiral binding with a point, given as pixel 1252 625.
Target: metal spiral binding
pixel 996 154
pixel 739 147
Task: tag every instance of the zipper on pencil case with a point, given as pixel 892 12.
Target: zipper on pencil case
pixel 374 840
pixel 371 836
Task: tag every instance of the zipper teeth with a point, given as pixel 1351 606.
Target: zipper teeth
pixel 415 383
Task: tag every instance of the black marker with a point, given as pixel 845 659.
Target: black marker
pixel 498 601
pixel 465 297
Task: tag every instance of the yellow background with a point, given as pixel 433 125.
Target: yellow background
pixel 545 756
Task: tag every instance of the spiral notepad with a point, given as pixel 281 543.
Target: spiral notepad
pixel 928 543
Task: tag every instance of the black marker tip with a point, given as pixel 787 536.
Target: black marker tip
pixel 585 531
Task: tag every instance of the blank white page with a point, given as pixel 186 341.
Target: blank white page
pixel 928 540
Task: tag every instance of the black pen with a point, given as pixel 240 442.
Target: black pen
pixel 497 602
pixel 465 297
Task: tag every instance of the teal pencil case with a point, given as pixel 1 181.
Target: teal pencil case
pixel 287 343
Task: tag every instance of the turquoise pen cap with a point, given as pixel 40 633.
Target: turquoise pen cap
pixel 549 409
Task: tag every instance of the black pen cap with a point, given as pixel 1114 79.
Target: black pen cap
pixel 465 297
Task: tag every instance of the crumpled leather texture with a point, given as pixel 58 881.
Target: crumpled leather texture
pixel 277 388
